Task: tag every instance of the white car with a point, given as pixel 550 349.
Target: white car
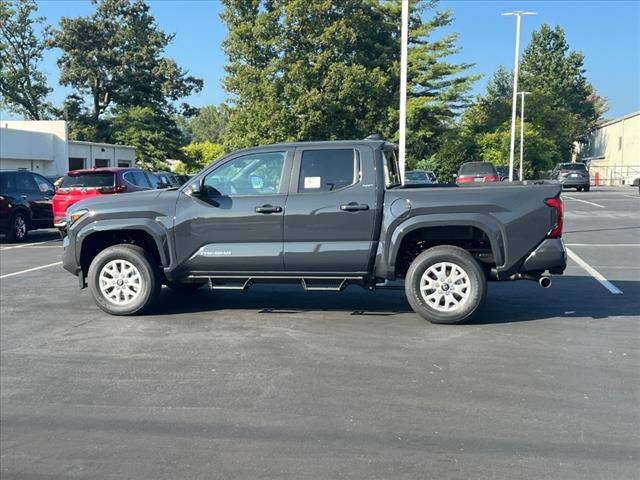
pixel 632 180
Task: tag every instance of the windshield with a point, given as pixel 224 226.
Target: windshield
pixel 573 166
pixel 88 180
pixel 417 176
pixel 477 168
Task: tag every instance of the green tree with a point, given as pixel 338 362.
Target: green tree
pixel 329 69
pixel 152 132
pixel 566 106
pixel 23 37
pixel 115 59
pixel 209 124
pixel 199 155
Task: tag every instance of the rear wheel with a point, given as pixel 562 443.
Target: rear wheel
pixel 124 280
pixel 587 188
pixel 18 228
pixel 445 284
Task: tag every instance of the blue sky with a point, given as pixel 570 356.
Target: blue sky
pixel 607 32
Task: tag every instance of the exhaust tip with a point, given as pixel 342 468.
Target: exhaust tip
pixel 545 282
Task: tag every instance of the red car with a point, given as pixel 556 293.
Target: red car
pixel 82 184
pixel 471 172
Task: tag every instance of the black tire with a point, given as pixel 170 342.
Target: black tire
pixel 18 228
pixel 185 287
pixel 579 189
pixel 150 280
pixel 587 188
pixel 477 284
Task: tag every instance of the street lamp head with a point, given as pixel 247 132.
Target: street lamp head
pixel 518 13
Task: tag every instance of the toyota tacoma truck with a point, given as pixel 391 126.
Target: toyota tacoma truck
pixel 322 214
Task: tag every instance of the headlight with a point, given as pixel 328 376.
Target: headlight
pixel 73 216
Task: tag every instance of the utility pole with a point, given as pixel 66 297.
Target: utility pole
pixel 522 94
pixel 517 14
pixel 404 41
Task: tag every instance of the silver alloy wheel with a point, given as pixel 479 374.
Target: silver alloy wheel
pixel 445 286
pixel 20 227
pixel 120 282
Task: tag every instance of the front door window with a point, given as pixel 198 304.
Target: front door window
pixel 254 174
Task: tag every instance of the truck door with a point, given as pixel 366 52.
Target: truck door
pixel 331 210
pixel 235 223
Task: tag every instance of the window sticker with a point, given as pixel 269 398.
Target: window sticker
pixel 312 182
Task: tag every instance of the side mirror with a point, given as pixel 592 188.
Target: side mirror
pixel 195 189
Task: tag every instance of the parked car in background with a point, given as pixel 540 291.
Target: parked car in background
pixel 417 177
pixel 503 173
pixel 477 172
pixel 632 180
pixel 25 203
pixel 82 184
pixel 572 175
pixel 169 179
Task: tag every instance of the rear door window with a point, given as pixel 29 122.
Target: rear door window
pixel 327 170
pixel 26 183
pixel 88 180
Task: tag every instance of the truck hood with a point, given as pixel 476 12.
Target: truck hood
pixel 124 200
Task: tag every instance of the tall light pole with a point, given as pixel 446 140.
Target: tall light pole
pixel 404 41
pixel 517 14
pixel 522 94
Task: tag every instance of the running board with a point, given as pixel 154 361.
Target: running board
pixel 308 283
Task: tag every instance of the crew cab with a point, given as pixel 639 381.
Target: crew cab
pixel 325 215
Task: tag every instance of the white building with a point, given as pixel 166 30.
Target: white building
pixel 613 150
pixel 44 147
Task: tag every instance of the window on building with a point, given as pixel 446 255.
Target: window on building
pixel 327 170
pixel 124 163
pixel 76 163
pixel 101 162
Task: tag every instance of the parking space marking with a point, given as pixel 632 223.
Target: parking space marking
pixel 27 245
pixel 602 244
pixel 583 201
pixel 30 270
pixel 594 273
pixel 632 196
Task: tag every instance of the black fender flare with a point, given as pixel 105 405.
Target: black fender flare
pixel 147 225
pixel 485 223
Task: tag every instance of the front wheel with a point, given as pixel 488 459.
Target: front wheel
pixel 18 228
pixel 445 284
pixel 124 280
pixel 587 188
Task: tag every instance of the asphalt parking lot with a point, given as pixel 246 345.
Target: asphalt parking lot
pixel 278 383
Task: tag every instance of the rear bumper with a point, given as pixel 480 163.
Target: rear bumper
pixel 550 255
pixel 574 182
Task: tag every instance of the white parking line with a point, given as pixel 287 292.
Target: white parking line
pixel 602 244
pixel 632 196
pixel 594 273
pixel 583 201
pixel 30 270
pixel 26 245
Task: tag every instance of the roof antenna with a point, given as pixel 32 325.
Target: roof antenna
pixel 374 136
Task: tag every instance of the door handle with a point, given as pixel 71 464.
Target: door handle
pixel 354 207
pixel 23 196
pixel 268 209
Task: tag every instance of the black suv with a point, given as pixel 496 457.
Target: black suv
pixel 25 203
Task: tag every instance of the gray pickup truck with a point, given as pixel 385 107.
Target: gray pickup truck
pixel 324 215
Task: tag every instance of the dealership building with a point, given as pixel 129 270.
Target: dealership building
pixel 44 147
pixel 612 151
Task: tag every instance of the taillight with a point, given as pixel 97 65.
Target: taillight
pixel 491 178
pixel 556 203
pixel 464 179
